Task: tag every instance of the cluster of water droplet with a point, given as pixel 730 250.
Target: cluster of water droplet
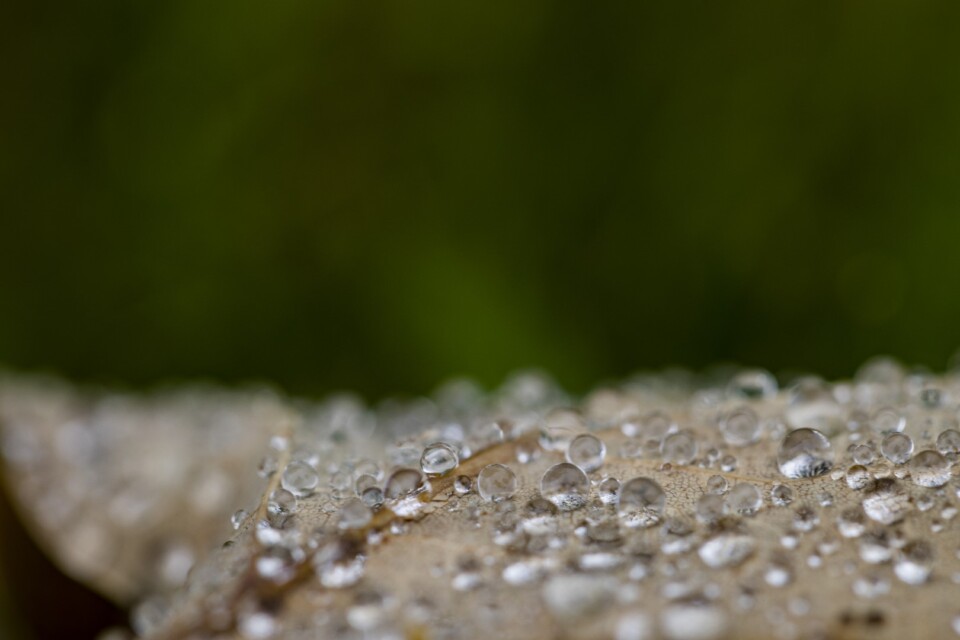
pixel 721 492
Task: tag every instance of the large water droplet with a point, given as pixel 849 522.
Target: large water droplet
pixel 565 485
pixel 641 503
pixel 496 482
pixel 744 499
pixel 804 453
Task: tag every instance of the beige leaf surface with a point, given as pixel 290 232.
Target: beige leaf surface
pixel 855 552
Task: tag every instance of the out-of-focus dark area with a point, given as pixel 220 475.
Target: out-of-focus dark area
pixel 379 196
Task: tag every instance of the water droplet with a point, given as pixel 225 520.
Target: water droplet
pixel 299 478
pixel 930 469
pixel 740 427
pixel 438 458
pixel 403 483
pixel 655 425
pixel 805 519
pixel 781 495
pixel 857 477
pixel 871 585
pixel 236 520
pixel 778 573
pixel 717 485
pixel 587 452
pixel 752 384
pixel 864 455
pixel 728 463
pixel 462 485
pixel 948 442
pixel 852 522
pixel 565 485
pixel 257 625
pixel 693 622
pixel 372 496
pixel 280 506
pixel 679 447
pixel 914 562
pixel 709 508
pixel 888 420
pixel 804 453
pixel 570 597
pixel 744 499
pixel 897 447
pixel 726 550
pixel 609 490
pixel 641 503
pixel 496 482
pixel 354 514
pixel 887 502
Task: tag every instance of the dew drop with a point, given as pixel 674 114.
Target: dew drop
pixel 354 514
pixel 726 550
pixel 930 469
pixel 496 482
pixel 438 458
pixel 299 478
pixel 403 483
pixel 679 447
pixel 587 452
pixel 462 485
pixel 717 484
pixel 740 427
pixel 781 495
pixel 753 384
pixel 566 486
pixel 236 520
pixel 609 490
pixel 887 502
pixel 857 477
pixel 864 455
pixel 914 562
pixel 744 499
pixel 948 442
pixel 641 503
pixel 804 453
pixel 897 447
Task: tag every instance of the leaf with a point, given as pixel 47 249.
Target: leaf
pixel 447 565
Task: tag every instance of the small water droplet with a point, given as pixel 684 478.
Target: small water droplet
pixel 864 455
pixel 914 562
pixel 438 458
pixel 930 469
pixel 496 482
pixel 804 453
pixel 679 447
pixel 887 502
pixel 236 520
pixel 587 452
pixel 726 550
pixel 462 485
pixel 566 486
pixel 354 514
pixel 609 490
pixel 403 483
pixel 299 478
pixel 744 499
pixel 781 495
pixel 717 484
pixel 740 427
pixel 948 442
pixel 857 477
pixel 897 447
pixel 642 502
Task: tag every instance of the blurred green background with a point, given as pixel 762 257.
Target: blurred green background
pixel 377 196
